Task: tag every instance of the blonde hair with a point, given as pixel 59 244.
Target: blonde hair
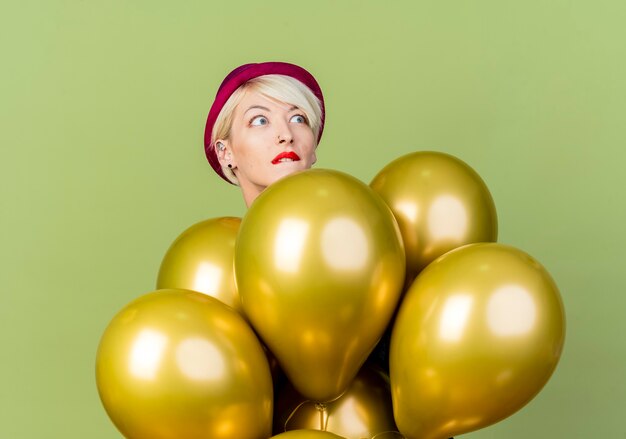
pixel 278 87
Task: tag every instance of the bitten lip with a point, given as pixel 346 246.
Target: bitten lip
pixel 286 155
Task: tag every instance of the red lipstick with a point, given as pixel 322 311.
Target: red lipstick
pixel 286 155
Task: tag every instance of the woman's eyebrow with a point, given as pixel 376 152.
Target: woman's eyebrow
pixel 259 107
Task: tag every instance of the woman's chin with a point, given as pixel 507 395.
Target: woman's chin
pixel 283 170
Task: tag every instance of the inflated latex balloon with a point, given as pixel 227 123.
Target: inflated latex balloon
pixel 201 259
pixel 319 264
pixel 440 204
pixel 363 411
pixel 307 434
pixel 180 364
pixel 477 336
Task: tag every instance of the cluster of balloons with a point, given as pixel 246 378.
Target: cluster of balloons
pixel 264 325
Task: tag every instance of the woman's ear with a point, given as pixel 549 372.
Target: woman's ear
pixel 224 153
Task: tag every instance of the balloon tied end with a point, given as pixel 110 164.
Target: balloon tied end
pixel 321 407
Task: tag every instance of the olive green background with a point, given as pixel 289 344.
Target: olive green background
pixel 103 106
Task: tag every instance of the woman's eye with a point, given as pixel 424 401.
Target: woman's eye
pixel 259 120
pixel 298 118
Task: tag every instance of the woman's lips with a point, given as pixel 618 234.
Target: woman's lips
pixel 287 156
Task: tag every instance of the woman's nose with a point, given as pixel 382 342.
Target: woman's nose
pixel 285 139
pixel 284 135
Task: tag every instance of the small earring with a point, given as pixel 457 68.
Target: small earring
pixel 230 166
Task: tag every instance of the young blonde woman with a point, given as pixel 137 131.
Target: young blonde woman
pixel 265 123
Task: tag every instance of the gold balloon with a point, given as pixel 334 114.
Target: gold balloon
pixel 319 264
pixel 307 434
pixel 477 336
pixel 201 259
pixel 363 411
pixel 440 204
pixel 180 364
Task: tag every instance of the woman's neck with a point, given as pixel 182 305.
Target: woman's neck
pixel 250 192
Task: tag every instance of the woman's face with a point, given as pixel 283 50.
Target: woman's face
pixel 268 140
